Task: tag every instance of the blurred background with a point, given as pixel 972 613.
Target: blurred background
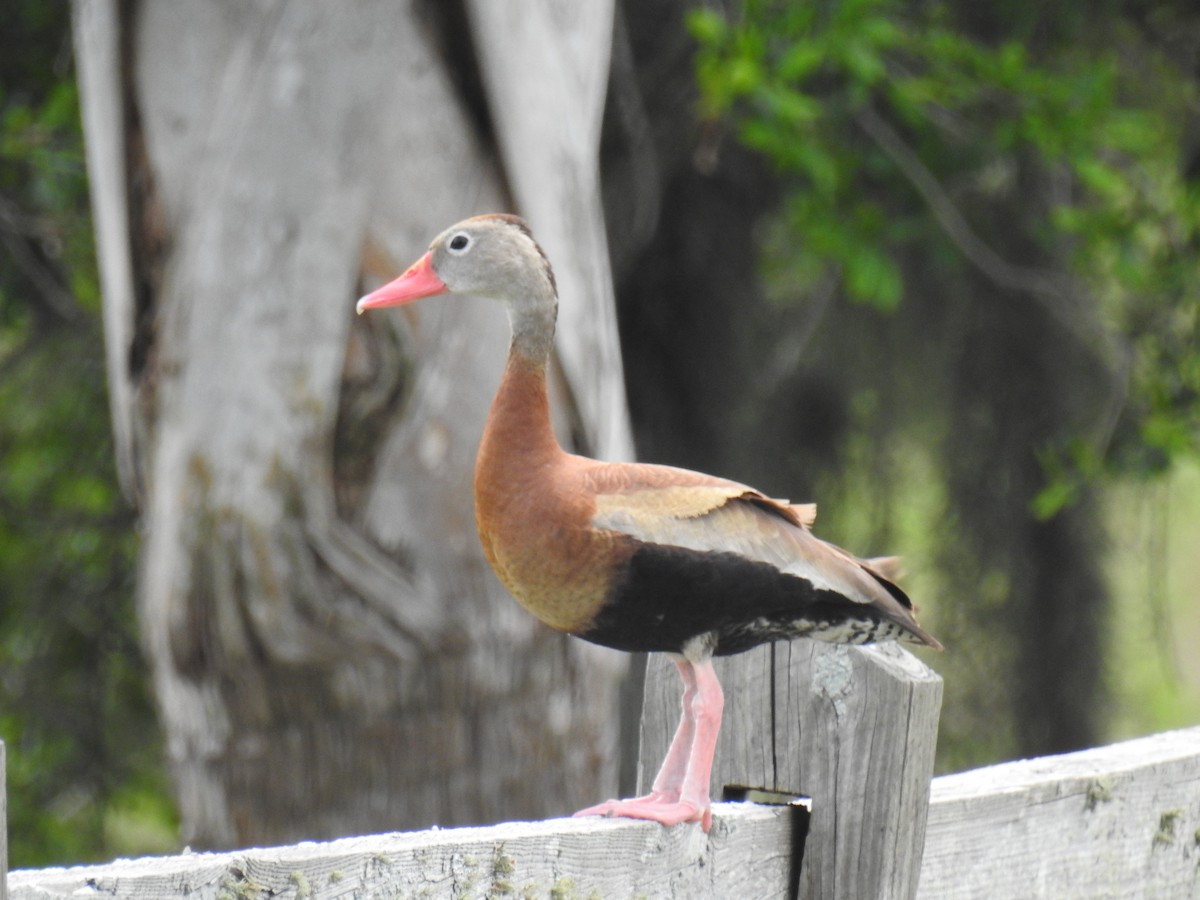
pixel 931 264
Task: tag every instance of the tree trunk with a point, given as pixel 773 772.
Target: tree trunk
pixel 330 653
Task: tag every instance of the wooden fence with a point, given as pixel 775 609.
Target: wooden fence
pixel 854 728
pixel 1121 821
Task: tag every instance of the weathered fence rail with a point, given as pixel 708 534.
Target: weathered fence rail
pixel 1119 821
pixel 743 856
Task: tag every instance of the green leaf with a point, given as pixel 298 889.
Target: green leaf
pixel 873 278
pixel 707 26
pixel 1053 499
pixel 801 60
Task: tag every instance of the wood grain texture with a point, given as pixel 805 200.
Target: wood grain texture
pixel 854 728
pixel 744 856
pixel 1114 822
pixel 1117 821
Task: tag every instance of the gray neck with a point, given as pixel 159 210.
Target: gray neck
pixel 533 330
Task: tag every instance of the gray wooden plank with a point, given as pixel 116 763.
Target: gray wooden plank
pixel 1116 821
pixel 1119 821
pixel 745 855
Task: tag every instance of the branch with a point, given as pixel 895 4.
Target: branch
pixel 20 236
pixel 1049 289
pixel 1058 295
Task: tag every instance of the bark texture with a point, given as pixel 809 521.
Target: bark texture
pixel 330 653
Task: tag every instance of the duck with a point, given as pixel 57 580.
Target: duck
pixel 639 557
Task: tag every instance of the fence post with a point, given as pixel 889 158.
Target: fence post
pixel 854 728
pixel 3 825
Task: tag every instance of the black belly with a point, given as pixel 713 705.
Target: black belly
pixel 666 596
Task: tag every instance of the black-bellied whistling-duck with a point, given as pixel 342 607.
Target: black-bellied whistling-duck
pixel 633 556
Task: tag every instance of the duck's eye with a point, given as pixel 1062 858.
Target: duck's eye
pixel 459 242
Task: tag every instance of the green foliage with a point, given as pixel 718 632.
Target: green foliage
pixel 859 102
pixel 85 775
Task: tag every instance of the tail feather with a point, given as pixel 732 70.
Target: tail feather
pixel 890 567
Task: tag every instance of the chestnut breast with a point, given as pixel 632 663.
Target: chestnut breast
pixel 535 524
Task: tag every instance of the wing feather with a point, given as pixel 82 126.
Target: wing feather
pixel 717 516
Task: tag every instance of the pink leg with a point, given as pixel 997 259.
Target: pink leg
pixel 707 708
pixel 681 789
pixel 669 780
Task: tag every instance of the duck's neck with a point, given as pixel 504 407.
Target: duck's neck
pixel 519 434
pixel 533 331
